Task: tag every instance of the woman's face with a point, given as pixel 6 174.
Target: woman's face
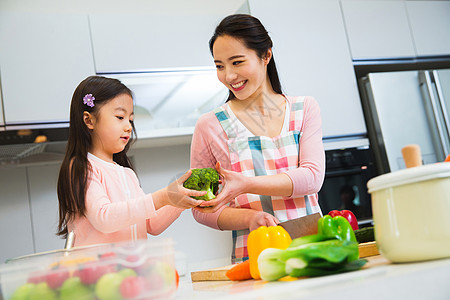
pixel 239 68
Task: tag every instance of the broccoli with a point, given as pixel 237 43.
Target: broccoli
pixel 203 179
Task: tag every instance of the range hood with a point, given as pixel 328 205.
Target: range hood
pixel 169 102
pixel 167 106
pixel 35 145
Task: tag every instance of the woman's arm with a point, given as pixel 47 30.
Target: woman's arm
pixel 308 177
pixel 244 218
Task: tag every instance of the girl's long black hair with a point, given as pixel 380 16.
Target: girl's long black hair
pixel 252 33
pixel 74 171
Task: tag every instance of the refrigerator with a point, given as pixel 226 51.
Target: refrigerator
pixel 407 107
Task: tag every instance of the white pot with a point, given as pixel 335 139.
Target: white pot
pixel 411 213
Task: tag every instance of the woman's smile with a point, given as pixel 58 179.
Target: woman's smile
pixel 239 86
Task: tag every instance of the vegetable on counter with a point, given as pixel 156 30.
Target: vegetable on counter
pixel 203 179
pixel 262 238
pixel 364 235
pixel 337 227
pixel 348 214
pixel 333 250
pixel 240 271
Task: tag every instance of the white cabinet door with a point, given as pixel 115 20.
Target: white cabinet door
pixel 313 58
pixel 15 223
pixel 44 206
pixel 430 25
pixel 148 42
pixel 377 29
pixel 43 57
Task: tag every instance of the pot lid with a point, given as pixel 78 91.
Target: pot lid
pixel 410 175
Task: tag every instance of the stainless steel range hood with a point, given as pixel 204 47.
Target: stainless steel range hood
pixel 169 102
pixel 29 146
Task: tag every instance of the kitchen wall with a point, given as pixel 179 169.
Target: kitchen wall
pixel 28 200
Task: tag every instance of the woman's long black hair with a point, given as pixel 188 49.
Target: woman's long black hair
pixel 73 174
pixel 252 33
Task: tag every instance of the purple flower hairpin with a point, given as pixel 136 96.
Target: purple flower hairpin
pixel 89 100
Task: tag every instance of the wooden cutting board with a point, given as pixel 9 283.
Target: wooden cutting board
pixel 366 250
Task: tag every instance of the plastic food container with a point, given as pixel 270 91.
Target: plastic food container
pixel 411 213
pixel 139 270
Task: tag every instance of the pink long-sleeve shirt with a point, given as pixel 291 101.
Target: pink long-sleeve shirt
pixel 117 209
pixel 209 145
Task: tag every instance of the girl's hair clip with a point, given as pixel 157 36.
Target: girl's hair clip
pixel 89 100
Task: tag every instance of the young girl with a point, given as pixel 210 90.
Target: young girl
pixel 100 198
pixel 269 144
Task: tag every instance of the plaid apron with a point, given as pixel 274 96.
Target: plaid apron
pixel 260 155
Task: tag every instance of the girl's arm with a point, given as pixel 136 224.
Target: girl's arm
pixel 164 218
pixel 108 217
pixel 177 195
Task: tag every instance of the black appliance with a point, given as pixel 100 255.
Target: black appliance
pixel 345 184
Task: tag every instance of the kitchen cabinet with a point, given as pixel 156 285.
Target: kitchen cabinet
pixel 44 206
pixel 430 24
pixel 378 29
pixel 397 29
pixel 158 35
pixel 15 224
pixel 149 42
pixel 43 57
pixel 313 58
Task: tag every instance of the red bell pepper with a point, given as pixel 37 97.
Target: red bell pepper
pixel 346 214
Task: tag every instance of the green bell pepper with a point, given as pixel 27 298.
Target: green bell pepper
pixel 337 227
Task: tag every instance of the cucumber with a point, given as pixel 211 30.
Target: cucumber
pixel 364 235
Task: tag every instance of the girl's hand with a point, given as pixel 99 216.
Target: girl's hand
pixel 261 218
pixel 179 196
pixel 234 184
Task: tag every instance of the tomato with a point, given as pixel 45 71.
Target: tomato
pixel 36 277
pixel 132 287
pixel 92 271
pixel 57 277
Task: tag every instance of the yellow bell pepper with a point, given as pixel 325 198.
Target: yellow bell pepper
pixel 262 238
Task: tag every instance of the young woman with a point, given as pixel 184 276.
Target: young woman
pixel 100 198
pixel 267 146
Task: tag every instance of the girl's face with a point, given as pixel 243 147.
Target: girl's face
pixel 239 68
pixel 111 127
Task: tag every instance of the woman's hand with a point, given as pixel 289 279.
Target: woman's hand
pixel 179 196
pixel 261 218
pixel 233 185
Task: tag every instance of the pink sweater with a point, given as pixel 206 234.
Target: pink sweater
pixel 117 209
pixel 209 145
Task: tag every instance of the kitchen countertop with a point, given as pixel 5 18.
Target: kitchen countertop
pixel 380 280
